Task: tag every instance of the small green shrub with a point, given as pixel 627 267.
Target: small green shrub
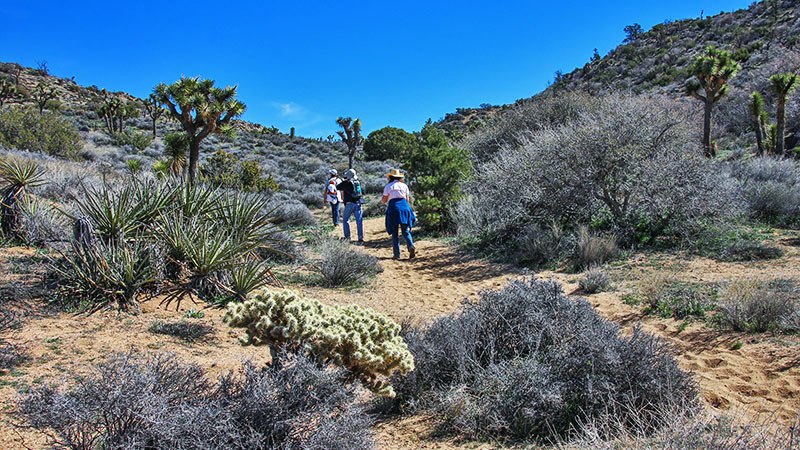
pixel 26 129
pixel 226 170
pixel 137 140
pixel 365 342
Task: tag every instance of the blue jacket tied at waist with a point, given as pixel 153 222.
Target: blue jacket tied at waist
pixel 398 212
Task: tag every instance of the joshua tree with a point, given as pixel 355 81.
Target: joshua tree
pixel 115 112
pixel 713 70
pixel 7 90
pixel 201 109
pixel 42 95
pixel 782 84
pixel 154 110
pixel 756 107
pixel 351 135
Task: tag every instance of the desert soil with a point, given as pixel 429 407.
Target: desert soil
pixel 762 376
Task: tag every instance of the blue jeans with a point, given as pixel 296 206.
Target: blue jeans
pixel 335 213
pixel 355 210
pixel 406 230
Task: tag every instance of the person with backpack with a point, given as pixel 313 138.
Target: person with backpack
pixel 332 195
pixel 352 198
pixel 399 213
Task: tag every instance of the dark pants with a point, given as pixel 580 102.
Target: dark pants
pixel 335 213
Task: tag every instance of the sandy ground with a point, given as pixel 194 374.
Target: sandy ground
pixel 763 375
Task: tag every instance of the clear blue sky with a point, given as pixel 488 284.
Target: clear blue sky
pixel 303 64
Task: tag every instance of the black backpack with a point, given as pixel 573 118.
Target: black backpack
pixel 356 190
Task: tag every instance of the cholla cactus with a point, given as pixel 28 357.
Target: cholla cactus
pixel 365 342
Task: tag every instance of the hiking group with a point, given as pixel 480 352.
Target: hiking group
pixel 399 214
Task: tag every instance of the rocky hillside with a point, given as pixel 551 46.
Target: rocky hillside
pixel 764 38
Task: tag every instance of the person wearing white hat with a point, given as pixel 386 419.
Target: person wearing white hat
pixel 399 213
pixel 332 195
pixel 352 199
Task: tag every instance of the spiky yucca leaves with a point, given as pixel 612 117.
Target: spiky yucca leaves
pixel 782 85
pixel 106 275
pixel 247 217
pixel 198 200
pixel 365 342
pixel 712 72
pixel 116 215
pixel 16 176
pixel 175 147
pixel 248 276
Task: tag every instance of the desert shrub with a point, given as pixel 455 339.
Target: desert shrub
pixel 533 363
pixel 730 242
pixel 389 143
pixel 283 248
pixel 681 300
pixel 770 187
pixel 592 249
pixel 653 287
pixel 373 207
pixel 289 211
pixel 105 275
pixel 10 355
pixel 311 197
pixel 341 263
pixel 188 331
pixel 163 403
pixel 752 306
pixel 594 280
pixel 631 161
pixel 435 169
pixel 363 341
pixel 138 141
pixel 41 224
pixel 26 129
pixel 226 170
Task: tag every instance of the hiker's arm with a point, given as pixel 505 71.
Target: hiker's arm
pixel 385 199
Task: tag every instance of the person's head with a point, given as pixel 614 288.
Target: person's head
pixel 350 174
pixel 332 173
pixel 395 175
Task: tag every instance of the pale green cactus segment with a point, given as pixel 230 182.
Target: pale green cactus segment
pixel 362 340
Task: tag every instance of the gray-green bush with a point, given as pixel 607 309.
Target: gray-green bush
pixel 625 164
pixel 26 129
pixel 529 344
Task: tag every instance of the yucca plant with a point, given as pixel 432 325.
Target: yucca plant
pixel 197 200
pixel 247 218
pixel 106 275
pixel 247 276
pixel 16 176
pixel 116 215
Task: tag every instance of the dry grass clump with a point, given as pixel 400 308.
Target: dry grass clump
pixel 754 306
pixel 594 280
pixel 592 249
pixel 341 263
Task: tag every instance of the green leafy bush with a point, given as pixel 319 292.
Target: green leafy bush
pixel 435 170
pixel 137 140
pixel 26 129
pixel 226 170
pixel 390 143
pixel 365 342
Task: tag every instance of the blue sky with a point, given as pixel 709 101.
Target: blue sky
pixel 303 64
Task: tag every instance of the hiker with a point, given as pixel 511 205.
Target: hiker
pixel 332 195
pixel 398 213
pixel 351 197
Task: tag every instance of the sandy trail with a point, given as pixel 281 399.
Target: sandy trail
pixel 763 375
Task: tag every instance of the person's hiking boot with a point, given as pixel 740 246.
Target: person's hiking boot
pixel 360 241
pixel 412 252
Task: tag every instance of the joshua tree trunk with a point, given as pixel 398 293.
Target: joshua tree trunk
pixel 759 138
pixel 154 128
pixel 350 158
pixel 781 125
pixel 708 148
pixel 194 155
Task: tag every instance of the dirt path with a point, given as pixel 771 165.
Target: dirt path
pixel 763 375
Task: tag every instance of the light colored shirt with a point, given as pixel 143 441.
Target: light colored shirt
pixel 331 193
pixel 396 189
